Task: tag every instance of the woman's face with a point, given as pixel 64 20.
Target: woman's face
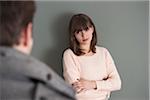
pixel 84 36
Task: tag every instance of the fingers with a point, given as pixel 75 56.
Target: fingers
pixel 78 90
pixel 78 87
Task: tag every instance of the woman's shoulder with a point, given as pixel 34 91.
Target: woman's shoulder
pixel 68 51
pixel 101 48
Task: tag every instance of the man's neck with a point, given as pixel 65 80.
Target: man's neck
pixel 21 49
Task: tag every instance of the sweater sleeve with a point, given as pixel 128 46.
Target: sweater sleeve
pixel 113 81
pixel 70 67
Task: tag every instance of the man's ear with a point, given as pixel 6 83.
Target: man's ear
pixel 26 34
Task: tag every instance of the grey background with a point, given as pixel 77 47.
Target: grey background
pixel 122 28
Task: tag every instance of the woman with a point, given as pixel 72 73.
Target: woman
pixel 89 68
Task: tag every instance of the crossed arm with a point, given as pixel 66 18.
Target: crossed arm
pixel 71 73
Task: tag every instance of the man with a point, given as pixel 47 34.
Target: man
pixel 22 77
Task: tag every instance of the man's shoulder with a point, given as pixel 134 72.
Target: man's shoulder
pixel 21 63
pixel 15 63
pixel 32 68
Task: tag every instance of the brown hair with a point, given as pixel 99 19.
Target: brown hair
pixel 14 16
pixel 78 23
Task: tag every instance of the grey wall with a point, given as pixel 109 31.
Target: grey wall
pixel 122 27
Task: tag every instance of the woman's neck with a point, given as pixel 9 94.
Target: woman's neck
pixel 85 48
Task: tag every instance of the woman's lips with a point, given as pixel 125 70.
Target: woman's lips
pixel 85 39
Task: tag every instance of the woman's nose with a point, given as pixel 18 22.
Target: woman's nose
pixel 83 34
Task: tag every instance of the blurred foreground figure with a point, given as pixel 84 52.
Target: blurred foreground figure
pixel 23 77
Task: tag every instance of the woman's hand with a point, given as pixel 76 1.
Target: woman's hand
pixel 83 85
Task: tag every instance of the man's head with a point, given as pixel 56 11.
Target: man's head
pixel 16 19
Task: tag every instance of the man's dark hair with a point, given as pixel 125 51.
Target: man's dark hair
pixel 14 16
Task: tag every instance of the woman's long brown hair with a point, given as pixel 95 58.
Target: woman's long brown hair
pixel 80 22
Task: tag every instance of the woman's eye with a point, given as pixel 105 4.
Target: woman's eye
pixel 87 29
pixel 77 32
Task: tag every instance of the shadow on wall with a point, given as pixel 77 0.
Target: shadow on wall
pixel 59 32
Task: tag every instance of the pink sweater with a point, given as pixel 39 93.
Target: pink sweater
pixel 95 67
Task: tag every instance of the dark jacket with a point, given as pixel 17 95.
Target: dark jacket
pixel 23 77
